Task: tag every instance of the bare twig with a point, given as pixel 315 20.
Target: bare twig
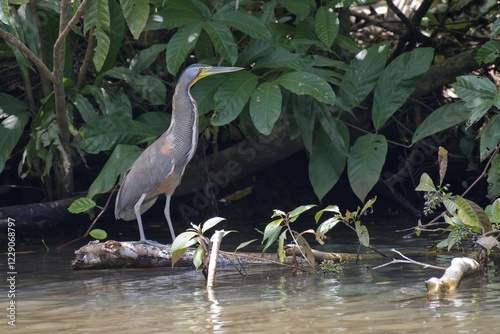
pixel 408 261
pixel 94 222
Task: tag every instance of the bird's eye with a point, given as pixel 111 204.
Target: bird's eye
pixel 201 69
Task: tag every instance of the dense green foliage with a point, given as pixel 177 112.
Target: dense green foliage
pixel 295 73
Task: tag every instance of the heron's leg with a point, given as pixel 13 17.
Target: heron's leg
pixel 137 210
pixel 167 215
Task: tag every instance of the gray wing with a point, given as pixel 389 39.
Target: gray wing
pixel 152 167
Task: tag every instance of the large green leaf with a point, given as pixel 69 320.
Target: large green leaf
pixel 232 97
pixel 488 52
pixel 441 119
pixel 364 165
pixel 280 58
pixel 204 91
pixel 14 116
pixel 301 8
pixel 223 40
pixel 85 108
pixel 176 14
pixel 157 122
pixel 305 119
pixel 254 50
pixel 326 162
pixel 265 107
pixel 397 82
pixel 246 23
pixel 150 88
pixel 181 44
pixel 144 58
pixel 181 243
pixel 302 83
pixel 331 126
pixel 118 163
pixel 136 13
pixel 362 75
pixel 490 137
pixel 107 131
pixel 97 16
pixel 326 25
pixel 470 87
pixel 271 233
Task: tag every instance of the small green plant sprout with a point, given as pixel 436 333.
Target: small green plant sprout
pixel 98 234
pixel 274 230
pixel 350 219
pixel 463 217
pixel 81 205
pixel 434 195
pixel 193 236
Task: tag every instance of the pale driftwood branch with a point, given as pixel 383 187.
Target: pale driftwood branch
pixel 460 268
pixel 407 260
pixel 214 254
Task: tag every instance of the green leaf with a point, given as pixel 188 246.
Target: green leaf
pixel 489 137
pixel 198 256
pixel 144 58
pixel 326 163
pixel 364 165
pixel 278 59
pixel 244 244
pixel 470 87
pixel 211 223
pixel 294 214
pixel 443 163
pixel 232 97
pixel 300 8
pixel 495 212
pixel 330 208
pixel 84 107
pixel 327 225
pixel 362 75
pixel 177 13
pixel 107 131
pixel 204 91
pixel 157 122
pixel 271 233
pixel 494 178
pixel 441 119
pixel 470 214
pixel 117 164
pixel 245 23
pixel 223 40
pixel 15 116
pixel 426 183
pixel 305 119
pixel 488 52
pixel 136 13
pixel 281 246
pixel 326 25
pixel 397 82
pixel 97 16
pixel 81 205
pixel 331 126
pixel 98 234
pixel 181 243
pixel 302 83
pixel 181 44
pixel 265 107
pixel 362 232
pixel 150 88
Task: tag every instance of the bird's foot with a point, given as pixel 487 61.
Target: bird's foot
pixel 151 243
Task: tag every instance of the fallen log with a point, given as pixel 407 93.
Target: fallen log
pixel 460 268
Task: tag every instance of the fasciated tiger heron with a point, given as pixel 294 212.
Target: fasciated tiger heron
pixel 159 169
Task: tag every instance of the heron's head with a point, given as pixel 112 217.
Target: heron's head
pixel 195 72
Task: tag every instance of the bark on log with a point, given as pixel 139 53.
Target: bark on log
pixel 460 268
pixel 127 254
pixel 39 215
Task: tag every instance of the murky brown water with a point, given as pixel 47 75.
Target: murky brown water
pixel 51 298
